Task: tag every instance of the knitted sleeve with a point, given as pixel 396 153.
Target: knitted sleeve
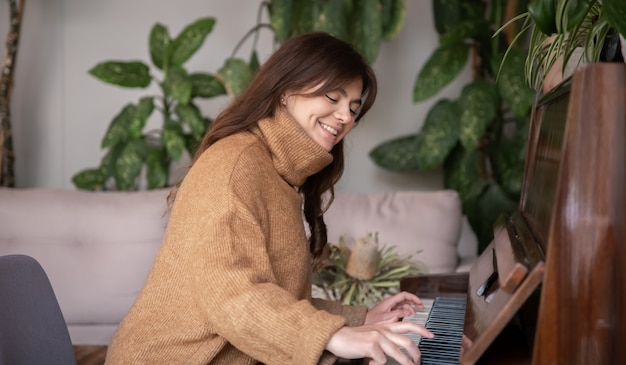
pixel 354 315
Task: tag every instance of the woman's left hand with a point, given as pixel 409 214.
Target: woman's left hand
pixel 393 308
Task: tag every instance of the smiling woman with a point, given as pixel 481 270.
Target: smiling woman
pixel 231 283
pixel 326 118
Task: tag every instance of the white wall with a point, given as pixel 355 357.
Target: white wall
pixel 60 113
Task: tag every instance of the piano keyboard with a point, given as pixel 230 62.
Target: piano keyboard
pixel 445 318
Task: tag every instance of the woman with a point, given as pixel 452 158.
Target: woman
pixel 231 283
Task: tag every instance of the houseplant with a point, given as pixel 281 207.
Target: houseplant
pixel 566 34
pixel 365 23
pixel 129 147
pixel 479 139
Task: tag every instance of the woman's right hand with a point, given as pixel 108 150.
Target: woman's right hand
pixel 377 342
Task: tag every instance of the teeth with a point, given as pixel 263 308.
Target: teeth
pixel 329 128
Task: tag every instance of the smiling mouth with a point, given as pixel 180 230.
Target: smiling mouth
pixel 329 129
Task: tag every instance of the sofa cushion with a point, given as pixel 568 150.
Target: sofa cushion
pixel 423 224
pixel 97 247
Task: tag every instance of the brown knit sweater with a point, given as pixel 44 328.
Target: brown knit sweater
pixel 231 283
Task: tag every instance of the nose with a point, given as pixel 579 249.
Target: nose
pixel 343 114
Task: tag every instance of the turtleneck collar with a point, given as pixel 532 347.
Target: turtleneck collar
pixel 295 155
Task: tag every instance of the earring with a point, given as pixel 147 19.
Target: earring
pixel 282 101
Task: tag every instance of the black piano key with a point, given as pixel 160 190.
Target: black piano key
pixel 445 321
pixel 444 317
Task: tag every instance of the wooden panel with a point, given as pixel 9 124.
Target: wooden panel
pixel 511 271
pixel 436 285
pixel 581 318
pixel 543 160
pixel 487 315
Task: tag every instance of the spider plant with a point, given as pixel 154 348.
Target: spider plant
pixel 561 27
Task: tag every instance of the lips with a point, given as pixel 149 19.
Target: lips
pixel 329 129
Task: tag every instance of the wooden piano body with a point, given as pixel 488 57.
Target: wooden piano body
pixel 560 259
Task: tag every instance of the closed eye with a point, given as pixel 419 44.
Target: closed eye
pixel 333 100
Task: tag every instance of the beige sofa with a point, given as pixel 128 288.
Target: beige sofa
pixel 97 248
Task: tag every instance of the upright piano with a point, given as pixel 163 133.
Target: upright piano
pixel 550 288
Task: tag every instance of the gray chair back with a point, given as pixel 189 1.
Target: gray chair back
pixel 32 327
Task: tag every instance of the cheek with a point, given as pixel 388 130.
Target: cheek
pixel 295 113
pixel 348 128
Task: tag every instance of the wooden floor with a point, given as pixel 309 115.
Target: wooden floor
pixel 90 355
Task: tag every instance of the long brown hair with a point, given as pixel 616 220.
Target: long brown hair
pixel 301 62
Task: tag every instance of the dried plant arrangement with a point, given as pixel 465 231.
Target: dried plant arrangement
pixel 363 274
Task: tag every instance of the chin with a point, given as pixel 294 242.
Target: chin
pixel 325 145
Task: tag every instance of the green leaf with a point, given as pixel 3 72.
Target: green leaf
pixel 173 140
pixel 178 85
pixel 393 13
pixel 89 179
pixel 472 196
pixel 157 169
pixel 399 154
pixel 472 9
pixel 508 155
pixel 512 83
pixel 190 114
pixel 235 75
pixel 367 28
pixel 159 42
pixel 439 134
pixel 205 86
pixel 493 203
pixel 129 163
pixel 333 16
pixel 191 143
pixel 441 68
pixel 303 16
pixel 479 101
pixel 614 11
pixel 129 123
pixel 461 170
pixel 126 74
pixel 464 30
pixel 281 12
pixel 190 40
pixel 543 13
pixel 447 14
pixel 575 12
pixel 254 62
pixel 119 128
pixel 107 165
pixel 142 113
